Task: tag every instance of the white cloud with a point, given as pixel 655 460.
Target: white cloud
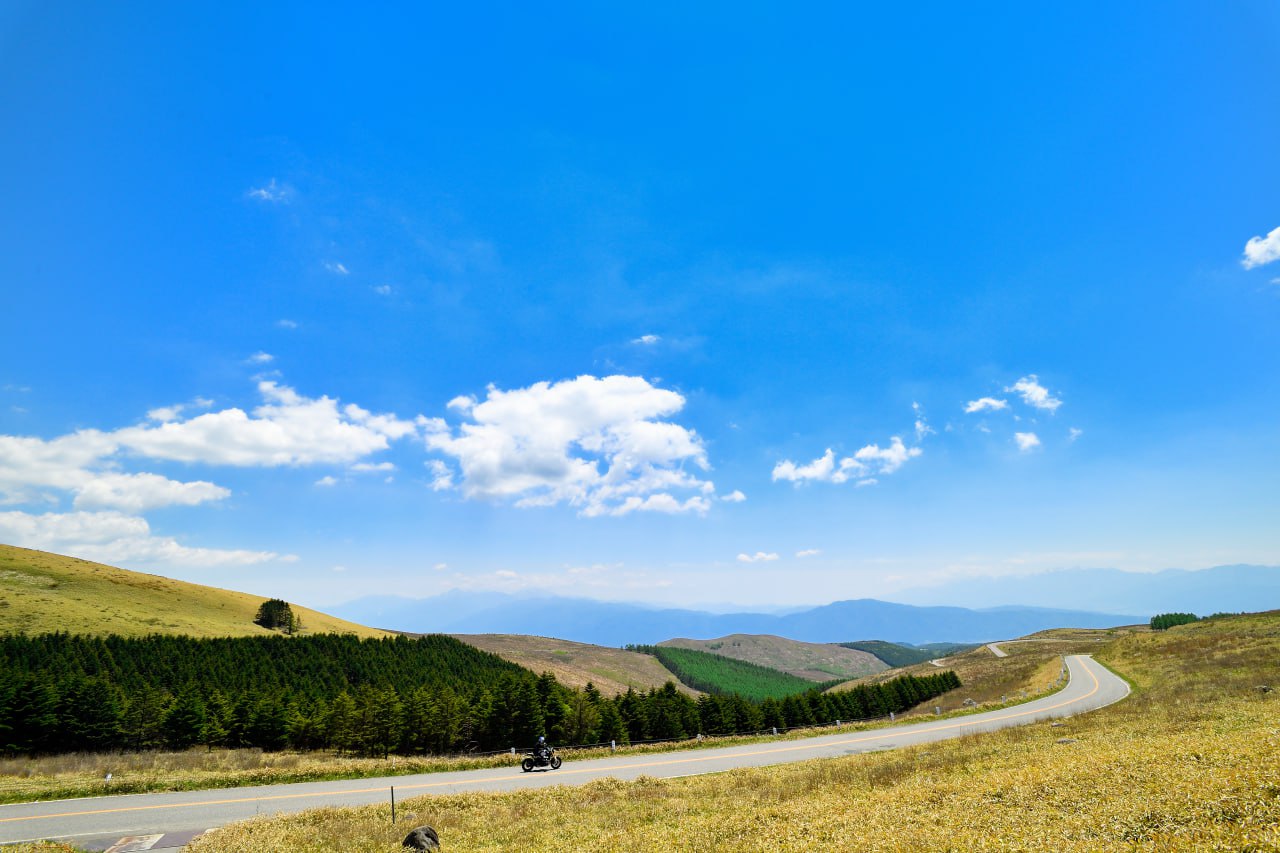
pixel 285 323
pixel 1073 434
pixel 440 567
pixel 382 289
pixel 822 468
pixel 261 357
pixel 809 552
pixel 272 193
pixel 922 426
pixel 141 492
pixel 734 497
pixel 1035 394
pixel 984 403
pixel 757 557
pixel 1262 250
pixel 336 268
pixel 28 465
pixel 886 460
pixel 327 481
pixel 288 429
pixel 115 538
pixel 441 475
pixel 869 460
pixel 646 340
pixel 594 443
pixel 372 467
pixel 1026 441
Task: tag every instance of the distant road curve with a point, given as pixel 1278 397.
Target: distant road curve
pixel 104 819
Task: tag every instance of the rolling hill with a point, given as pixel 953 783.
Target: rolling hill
pixel 612 671
pixel 42 592
pixel 811 661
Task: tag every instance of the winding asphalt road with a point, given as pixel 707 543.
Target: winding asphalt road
pixel 165 821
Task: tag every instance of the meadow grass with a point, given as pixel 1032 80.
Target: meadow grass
pixel 1187 763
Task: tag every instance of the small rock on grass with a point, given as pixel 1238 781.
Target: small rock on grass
pixel 422 838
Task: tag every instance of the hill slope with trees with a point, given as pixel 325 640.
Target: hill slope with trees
pixel 42 592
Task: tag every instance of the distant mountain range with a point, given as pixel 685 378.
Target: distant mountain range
pixel 1222 589
pixel 614 624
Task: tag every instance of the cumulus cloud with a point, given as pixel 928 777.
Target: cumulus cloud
pixel 1027 441
pixel 85 466
pixel 1262 250
pixel 141 492
pixel 757 557
pixel 326 481
pixel 734 497
pixel 863 465
pixel 646 340
pixel 1034 394
pixel 287 429
pixel 114 537
pixel 983 404
pixel 599 444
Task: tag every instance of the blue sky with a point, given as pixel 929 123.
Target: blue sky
pixel 759 304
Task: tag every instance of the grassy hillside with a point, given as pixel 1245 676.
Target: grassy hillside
pixel 894 654
pixel 42 592
pixel 812 661
pixel 1185 764
pixel 612 671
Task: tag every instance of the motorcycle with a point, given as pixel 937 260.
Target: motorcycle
pixel 541 758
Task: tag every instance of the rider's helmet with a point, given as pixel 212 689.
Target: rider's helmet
pixel 542 739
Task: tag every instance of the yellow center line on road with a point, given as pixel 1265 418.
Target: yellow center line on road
pixel 662 763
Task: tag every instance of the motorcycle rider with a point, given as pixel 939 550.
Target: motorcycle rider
pixel 543 750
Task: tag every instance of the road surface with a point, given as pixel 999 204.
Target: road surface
pixel 165 821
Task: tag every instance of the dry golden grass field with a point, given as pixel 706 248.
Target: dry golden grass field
pixel 612 671
pixel 1187 763
pixel 42 592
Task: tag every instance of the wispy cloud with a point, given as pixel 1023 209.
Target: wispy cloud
pixel 646 340
pixel 382 289
pixel 1027 441
pixel 1073 434
pixel 1261 250
pixel 336 268
pixel 271 193
pixel 809 552
pixel 327 481
pixel 757 557
pixel 287 324
pixel 734 497
pixel 261 358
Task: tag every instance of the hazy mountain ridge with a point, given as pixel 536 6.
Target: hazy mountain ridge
pixel 616 624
